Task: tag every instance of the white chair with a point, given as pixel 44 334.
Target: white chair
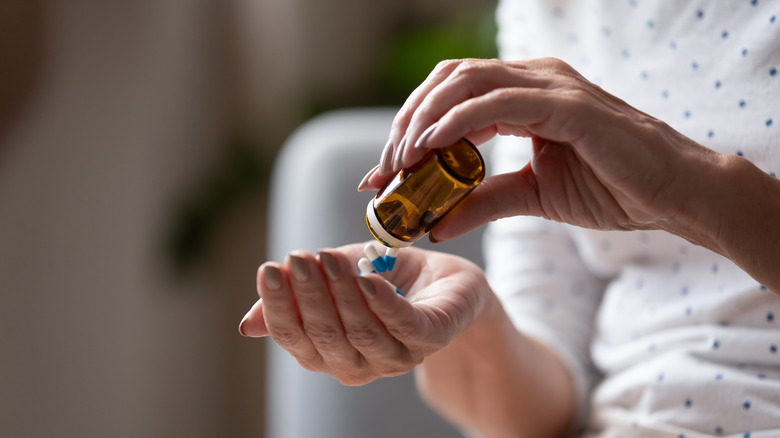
pixel 314 204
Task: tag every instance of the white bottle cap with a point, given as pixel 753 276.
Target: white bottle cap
pixel 379 230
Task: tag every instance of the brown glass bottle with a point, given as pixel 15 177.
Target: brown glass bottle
pixel 418 197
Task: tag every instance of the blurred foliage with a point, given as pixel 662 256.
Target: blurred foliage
pixel 240 175
pixel 413 53
pixel 409 55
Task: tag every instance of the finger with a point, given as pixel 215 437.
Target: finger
pixel 253 323
pixel 404 115
pixel 556 115
pixel 362 328
pixel 281 315
pixel 504 195
pixel 319 318
pixel 472 78
pixel 396 314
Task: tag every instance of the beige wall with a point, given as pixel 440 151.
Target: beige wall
pixel 132 104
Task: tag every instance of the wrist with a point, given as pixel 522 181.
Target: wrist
pixel 733 209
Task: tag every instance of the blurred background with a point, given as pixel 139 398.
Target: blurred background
pixel 136 143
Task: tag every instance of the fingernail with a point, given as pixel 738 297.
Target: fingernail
pixel 386 162
pixel 367 287
pixel 425 136
pixel 432 239
pixel 299 267
pixel 365 179
pixel 330 265
pixel 241 326
pixel 272 277
pixel 399 155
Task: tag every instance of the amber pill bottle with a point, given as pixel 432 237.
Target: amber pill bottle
pixel 418 197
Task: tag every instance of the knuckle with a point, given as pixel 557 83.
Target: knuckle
pixel 556 64
pixel 286 338
pixel 471 67
pixel 362 336
pixel 447 64
pixel 323 335
pixel 402 330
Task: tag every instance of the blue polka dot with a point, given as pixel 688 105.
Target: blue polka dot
pixel 773 349
pixel 761 376
pixel 673 45
pixel 742 103
pixel 640 282
pixel 682 435
pixel 650 24
pixel 772 19
pixel 746 405
pixel 715 269
pixel 643 74
pixel 770 317
pixel 699 14
pixel 768 122
pixel 744 52
pixel 660 377
pixel 717 84
pixel 688 311
pixel 687 114
pixel 715 344
pixel 719 430
pixel 684 291
pixel 625 53
pixel 746 435
pixel 710 133
pixel 606 31
pixel 773 175
pixel 665 94
pixel 724 34
pixel 719 376
pixel 772 71
pixel 688 402
pixel 740 153
pixel 695 65
pixel 754 2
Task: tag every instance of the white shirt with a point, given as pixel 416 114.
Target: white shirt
pixel 664 338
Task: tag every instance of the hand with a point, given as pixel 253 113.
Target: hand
pixel 356 328
pixel 597 162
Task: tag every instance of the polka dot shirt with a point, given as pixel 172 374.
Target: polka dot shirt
pixel 664 338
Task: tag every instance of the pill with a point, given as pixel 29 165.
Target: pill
pixel 373 256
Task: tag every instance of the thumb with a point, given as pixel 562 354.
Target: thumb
pixel 499 196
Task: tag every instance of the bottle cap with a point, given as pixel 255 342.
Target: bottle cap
pixel 379 231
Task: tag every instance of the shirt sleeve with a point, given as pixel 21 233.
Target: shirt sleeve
pixel 546 289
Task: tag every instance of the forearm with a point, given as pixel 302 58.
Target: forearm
pixel 492 381
pixel 737 214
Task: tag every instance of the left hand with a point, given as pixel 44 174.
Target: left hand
pixel 356 328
